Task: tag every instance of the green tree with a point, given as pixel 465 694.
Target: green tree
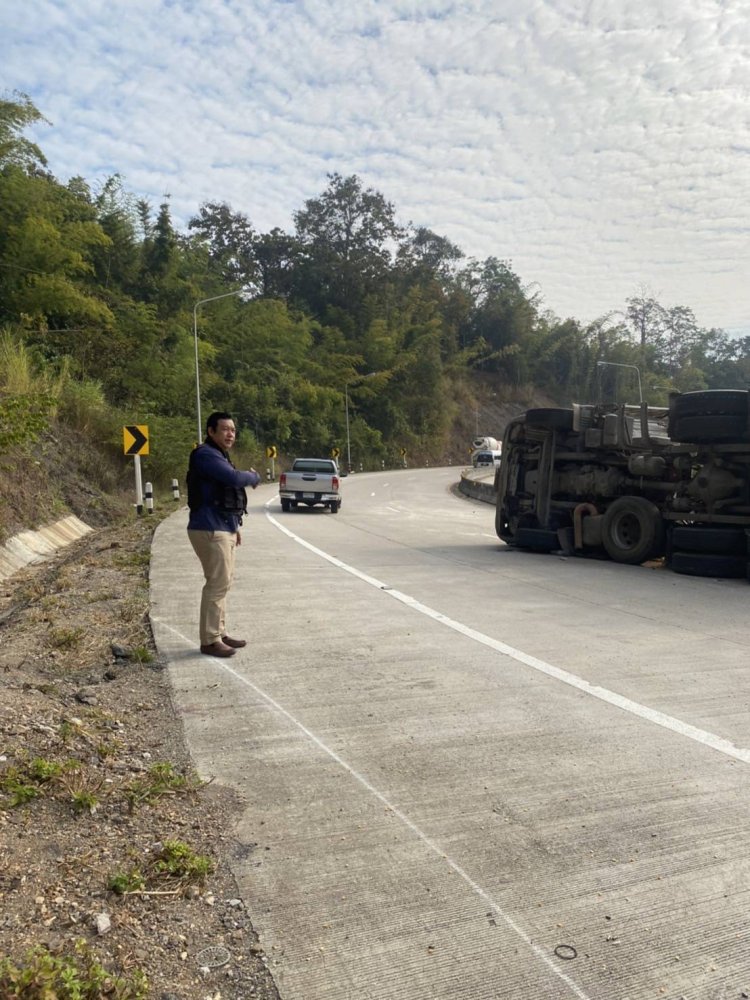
pixel 346 236
pixel 645 318
pixel 117 263
pixel 277 255
pixel 503 317
pixel 166 278
pixel 47 239
pixel 17 113
pixel 679 336
pixel 230 239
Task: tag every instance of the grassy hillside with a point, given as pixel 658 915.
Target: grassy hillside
pixel 61 474
pixel 70 470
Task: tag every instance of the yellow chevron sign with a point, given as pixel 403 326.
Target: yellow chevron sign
pixel 135 439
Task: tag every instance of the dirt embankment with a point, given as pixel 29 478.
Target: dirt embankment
pixel 106 836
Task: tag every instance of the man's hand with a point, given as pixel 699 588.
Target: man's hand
pixel 239 537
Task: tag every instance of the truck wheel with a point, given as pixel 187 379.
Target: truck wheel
pixel 705 564
pixel 709 403
pixel 717 541
pixel 632 530
pixel 335 507
pixel 713 427
pixel 559 419
pixel 285 506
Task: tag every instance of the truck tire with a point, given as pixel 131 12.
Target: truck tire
pixel 707 564
pixel 632 531
pixel 716 541
pixel 285 506
pixel 709 428
pixel 559 419
pixel 335 507
pixel 707 403
pixel 536 539
pixel 710 402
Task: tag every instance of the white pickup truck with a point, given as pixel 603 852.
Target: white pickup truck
pixel 310 481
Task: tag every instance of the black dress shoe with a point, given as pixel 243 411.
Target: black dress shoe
pixel 217 649
pixel 234 643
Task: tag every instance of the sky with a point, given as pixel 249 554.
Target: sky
pixel 602 147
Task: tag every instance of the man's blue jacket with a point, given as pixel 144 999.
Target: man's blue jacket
pixel 214 470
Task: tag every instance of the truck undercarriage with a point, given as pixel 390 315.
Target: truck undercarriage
pixel 626 482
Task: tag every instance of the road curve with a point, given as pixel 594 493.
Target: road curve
pixel 469 771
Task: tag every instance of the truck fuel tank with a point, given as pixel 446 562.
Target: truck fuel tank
pixel 652 466
pixel 714 482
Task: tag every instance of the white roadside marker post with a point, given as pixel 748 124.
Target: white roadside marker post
pixel 138 484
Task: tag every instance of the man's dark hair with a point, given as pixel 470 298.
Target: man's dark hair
pixel 213 421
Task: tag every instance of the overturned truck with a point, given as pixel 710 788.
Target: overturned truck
pixel 632 482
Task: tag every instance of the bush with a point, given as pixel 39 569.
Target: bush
pixel 83 408
pixel 43 976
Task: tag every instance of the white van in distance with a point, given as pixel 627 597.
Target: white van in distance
pixel 486 458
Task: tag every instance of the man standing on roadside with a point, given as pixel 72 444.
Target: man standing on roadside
pixel 217 501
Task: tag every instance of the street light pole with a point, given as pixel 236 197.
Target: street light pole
pixel 213 298
pixel 348 442
pixel 359 378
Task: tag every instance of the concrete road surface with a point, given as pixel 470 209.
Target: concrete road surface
pixel 469 771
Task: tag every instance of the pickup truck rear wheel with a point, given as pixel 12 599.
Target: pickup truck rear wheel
pixel 335 507
pixel 285 506
pixel 632 531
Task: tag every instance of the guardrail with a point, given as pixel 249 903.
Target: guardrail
pixel 473 483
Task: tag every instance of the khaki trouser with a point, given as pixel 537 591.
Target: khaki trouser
pixel 216 550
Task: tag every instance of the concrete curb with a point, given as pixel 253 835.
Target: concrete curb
pixel 35 546
pixel 477 488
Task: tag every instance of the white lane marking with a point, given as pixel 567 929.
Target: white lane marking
pixel 427 841
pixel 701 736
pixel 395 510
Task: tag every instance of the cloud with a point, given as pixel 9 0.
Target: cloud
pixel 598 146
